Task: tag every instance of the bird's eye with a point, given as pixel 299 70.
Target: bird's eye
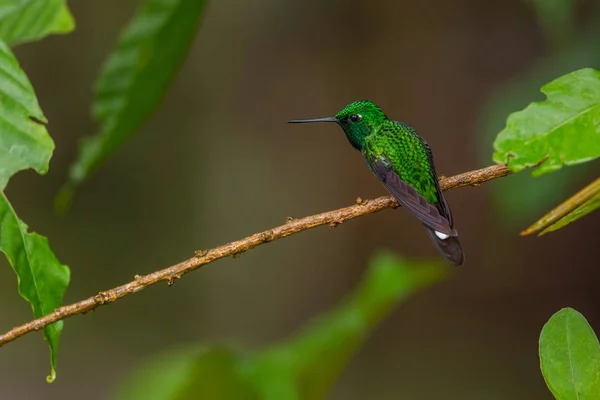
pixel 355 117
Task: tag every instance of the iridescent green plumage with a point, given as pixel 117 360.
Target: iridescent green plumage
pixel 375 134
pixel 403 162
pixel 408 155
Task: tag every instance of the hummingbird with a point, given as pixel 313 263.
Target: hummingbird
pixel 403 161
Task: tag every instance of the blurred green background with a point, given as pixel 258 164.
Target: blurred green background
pixel 217 162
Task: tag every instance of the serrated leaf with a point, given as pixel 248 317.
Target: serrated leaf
pixel 135 77
pixel 570 357
pixel 303 367
pixel 42 278
pixel 580 204
pixel 562 130
pixel 24 143
pixel 517 199
pixel 28 20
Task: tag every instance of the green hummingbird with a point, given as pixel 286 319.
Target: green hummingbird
pixel 403 162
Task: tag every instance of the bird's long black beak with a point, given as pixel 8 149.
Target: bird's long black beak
pixel 304 121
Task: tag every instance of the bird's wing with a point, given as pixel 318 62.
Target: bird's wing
pixel 442 205
pixel 412 201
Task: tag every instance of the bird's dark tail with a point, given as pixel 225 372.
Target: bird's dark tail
pixel 450 247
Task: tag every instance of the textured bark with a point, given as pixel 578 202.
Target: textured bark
pixel 203 257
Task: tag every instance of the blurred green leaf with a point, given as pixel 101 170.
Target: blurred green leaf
pixel 560 130
pixel 42 278
pixel 556 19
pixel 570 357
pixel 189 373
pixel 29 20
pixel 304 367
pixel 25 142
pixel 135 78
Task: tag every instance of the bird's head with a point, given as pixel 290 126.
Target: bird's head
pixel 358 119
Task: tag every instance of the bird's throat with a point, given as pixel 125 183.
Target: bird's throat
pixel 356 136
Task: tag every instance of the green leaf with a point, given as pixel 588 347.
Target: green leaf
pixel 518 199
pixel 307 366
pixel 135 78
pixel 42 278
pixel 191 372
pixel 25 142
pixel 29 20
pixel 303 367
pixel 570 357
pixel 562 130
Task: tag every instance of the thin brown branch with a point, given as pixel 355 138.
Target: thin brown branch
pixel 202 257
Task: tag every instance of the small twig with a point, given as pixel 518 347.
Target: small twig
pixel 578 199
pixel 202 257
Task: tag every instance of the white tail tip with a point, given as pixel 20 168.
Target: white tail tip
pixel 441 235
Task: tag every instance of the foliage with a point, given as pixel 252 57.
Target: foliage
pixel 556 19
pixel 303 367
pixel 570 357
pixel 25 143
pixel 558 131
pixel 134 79
pixel 42 278
pixel 27 20
pixel 580 211
pixel 515 93
pixel 190 372
pixel 581 204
